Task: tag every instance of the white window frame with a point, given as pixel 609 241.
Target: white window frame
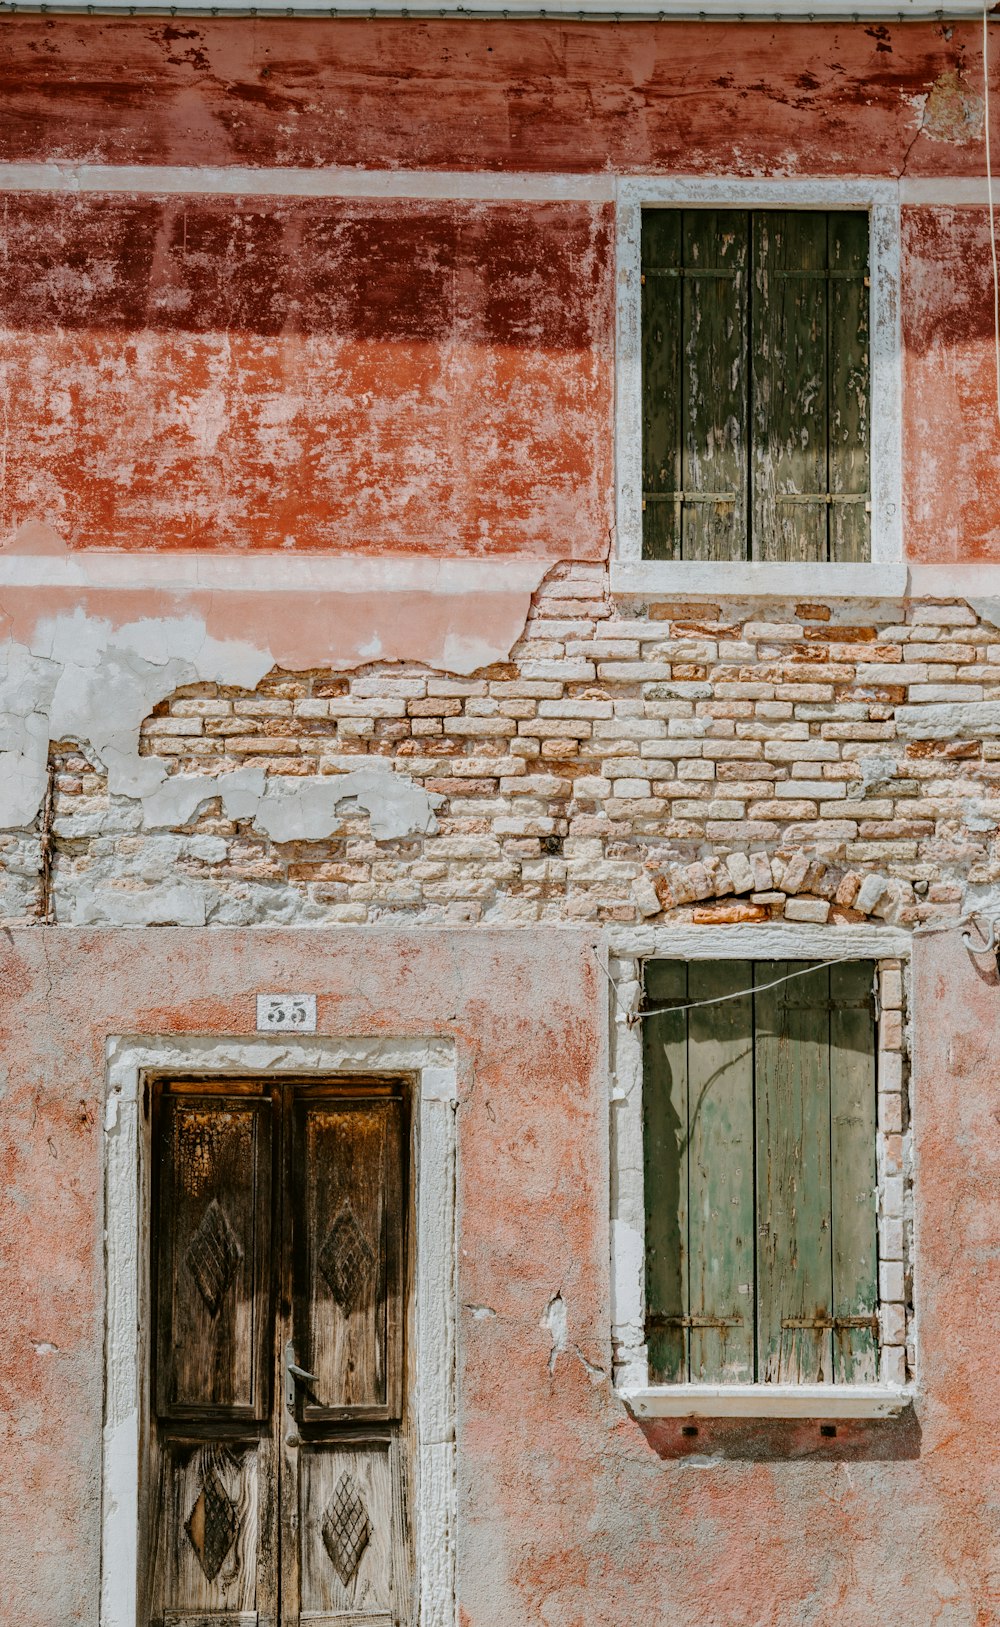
pixel 885 574
pixel 626 950
pixel 431 1063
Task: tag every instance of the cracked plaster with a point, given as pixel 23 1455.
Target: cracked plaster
pixel 92 649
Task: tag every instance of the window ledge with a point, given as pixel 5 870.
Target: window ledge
pixel 766 1400
pixel 700 578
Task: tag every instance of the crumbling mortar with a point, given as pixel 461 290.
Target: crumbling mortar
pixel 522 770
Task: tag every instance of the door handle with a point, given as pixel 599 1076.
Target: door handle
pixel 294 1374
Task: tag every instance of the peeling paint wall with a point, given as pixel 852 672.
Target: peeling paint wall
pixel 802 98
pixel 306 526
pixel 569 1511
pixel 336 374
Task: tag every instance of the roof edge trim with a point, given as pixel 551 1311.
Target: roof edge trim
pixel 830 11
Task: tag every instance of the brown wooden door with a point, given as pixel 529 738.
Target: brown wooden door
pixel 276 1484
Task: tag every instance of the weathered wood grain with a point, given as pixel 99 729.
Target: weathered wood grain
pixel 665 1110
pixel 721 1214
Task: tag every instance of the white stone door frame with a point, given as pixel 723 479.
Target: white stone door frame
pixel 431 1063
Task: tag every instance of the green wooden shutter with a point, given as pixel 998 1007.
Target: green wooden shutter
pixel 755 371
pixel 694 326
pixel 853 1091
pixel 794 1255
pixel 665 1111
pixel 809 386
pixel 699 1174
pixel 760 1173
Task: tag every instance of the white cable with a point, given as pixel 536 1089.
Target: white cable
pixel 989 193
pixel 756 988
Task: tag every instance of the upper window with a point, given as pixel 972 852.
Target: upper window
pixel 762 1246
pixel 755 385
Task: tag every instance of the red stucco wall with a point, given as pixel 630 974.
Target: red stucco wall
pixel 951 411
pixel 787 98
pixel 411 376
pixel 570 1513
pixel 211 372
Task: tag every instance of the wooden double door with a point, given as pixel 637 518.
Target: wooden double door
pixel 276 1442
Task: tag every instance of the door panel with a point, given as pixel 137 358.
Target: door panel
pixel 347 1254
pixel 208 1537
pixel 346 1522
pixel 214 1257
pixel 276 1463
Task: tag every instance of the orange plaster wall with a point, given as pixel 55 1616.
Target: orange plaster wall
pixel 570 1513
pixel 322 374
pixel 951 487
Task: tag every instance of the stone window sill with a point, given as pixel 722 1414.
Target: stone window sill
pixel 698 578
pixel 767 1400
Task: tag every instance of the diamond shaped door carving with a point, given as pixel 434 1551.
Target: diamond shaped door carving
pixel 347 1260
pixel 213 1257
pixel 346 1528
pixel 212 1525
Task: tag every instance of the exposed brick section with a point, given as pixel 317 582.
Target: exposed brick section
pixel 698 761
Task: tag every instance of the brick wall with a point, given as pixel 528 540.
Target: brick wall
pixel 706 762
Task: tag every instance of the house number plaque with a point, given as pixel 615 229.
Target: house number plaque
pixel 286 1014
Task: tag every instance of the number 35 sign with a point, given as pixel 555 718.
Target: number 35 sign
pixel 286 1014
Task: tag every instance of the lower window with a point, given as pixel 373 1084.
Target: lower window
pixel 759 1127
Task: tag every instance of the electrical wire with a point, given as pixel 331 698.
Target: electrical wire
pixel 633 1017
pixel 989 193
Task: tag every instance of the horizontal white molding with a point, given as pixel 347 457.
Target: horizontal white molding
pixel 710 579
pixel 557 10
pixel 239 181
pixel 775 940
pixel 766 1400
pixel 955 191
pixel 280 572
pixel 271 573
pixel 739 192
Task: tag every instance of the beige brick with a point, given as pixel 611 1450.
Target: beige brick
pixel 183 726
pixel 891 990
pixel 891 1283
pixel 816 910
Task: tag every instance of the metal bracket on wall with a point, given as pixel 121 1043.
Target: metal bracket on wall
pixel 990 947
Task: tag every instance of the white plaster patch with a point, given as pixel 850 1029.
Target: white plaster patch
pixel 73 674
pixel 306 809
pixel 554 1321
pixel 303 808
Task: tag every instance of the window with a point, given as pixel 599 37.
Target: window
pixel 759 1140
pixel 755 385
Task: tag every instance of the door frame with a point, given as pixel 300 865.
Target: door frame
pixel 431 1064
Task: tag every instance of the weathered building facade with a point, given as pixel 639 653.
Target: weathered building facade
pixel 499 818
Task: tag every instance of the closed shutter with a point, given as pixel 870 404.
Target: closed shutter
pixel 760 1173
pixel 755 385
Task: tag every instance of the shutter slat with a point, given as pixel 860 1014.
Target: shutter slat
pixel 661 394
pixel 794 1256
pixel 714 383
pixel 789 389
pixel 850 472
pixel 665 1112
pixel 721 1174
pixel 756 385
pixel 853 1098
